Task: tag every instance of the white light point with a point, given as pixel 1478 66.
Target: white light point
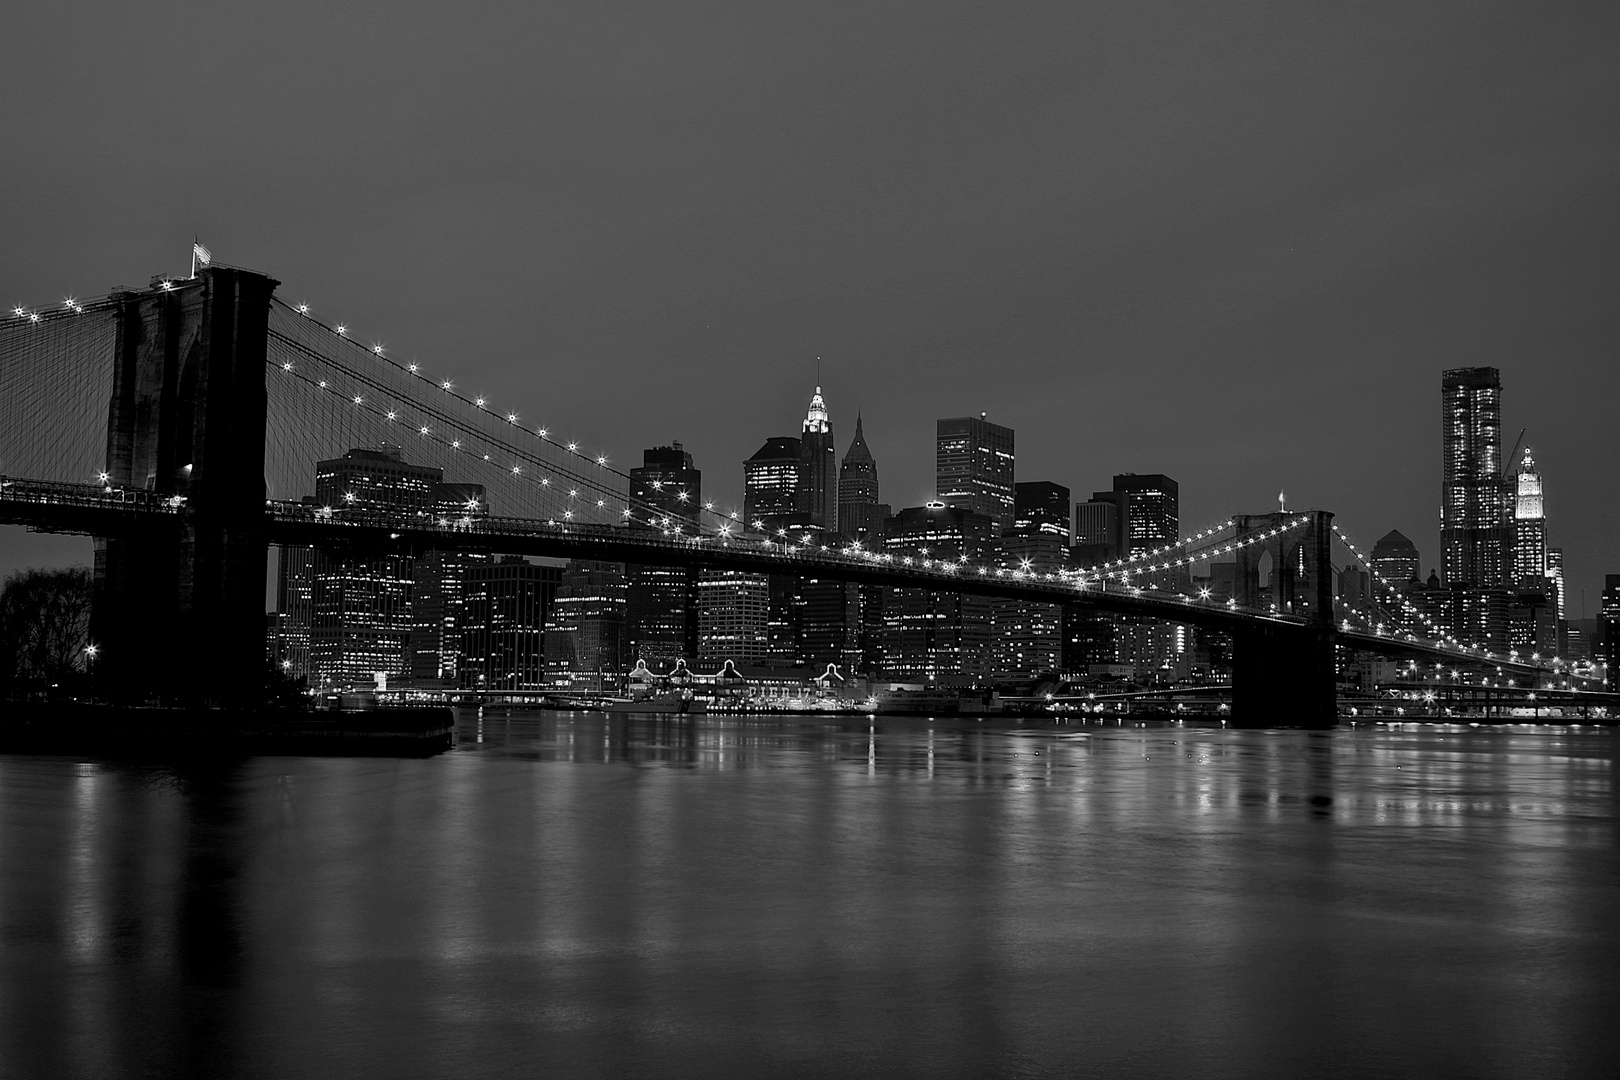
pixel 412 368
pixel 358 401
pixel 323 384
pixel 287 366
pixel 340 329
pixel 377 348
pixel 392 415
pixel 602 460
pixel 479 403
pixel 445 385
pixel 511 418
pixel 303 309
pixel 422 430
pixel 573 447
pixel 455 444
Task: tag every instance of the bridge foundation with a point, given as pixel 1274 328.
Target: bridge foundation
pixel 1283 674
pixel 187 418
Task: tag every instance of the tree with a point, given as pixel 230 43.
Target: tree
pixel 44 624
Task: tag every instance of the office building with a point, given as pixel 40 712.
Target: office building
pixel 584 634
pixel 1475 511
pixel 816 502
pixel 1609 626
pixel 1529 529
pixel 362 617
pixel 1395 559
pixel 1027 636
pixel 1042 506
pixel 860 513
pixel 928 634
pixel 733 609
pixel 1096 532
pixel 973 463
pixel 666 495
pixel 504 609
pixel 771 485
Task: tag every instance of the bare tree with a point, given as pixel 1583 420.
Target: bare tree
pixel 44 623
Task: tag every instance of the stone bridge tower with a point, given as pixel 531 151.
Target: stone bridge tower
pixel 1284 675
pixel 182 616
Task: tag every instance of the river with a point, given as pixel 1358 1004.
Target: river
pixel 578 895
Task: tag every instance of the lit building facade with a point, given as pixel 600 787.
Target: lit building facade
pixel 362 616
pixel 973 467
pixel 928 634
pixel 584 632
pixel 666 493
pixel 771 485
pixel 505 606
pixel 733 612
pixel 1529 529
pixel 816 501
pixel 1474 506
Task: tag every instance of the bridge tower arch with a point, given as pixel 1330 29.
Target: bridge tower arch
pixel 1283 674
pixel 183 617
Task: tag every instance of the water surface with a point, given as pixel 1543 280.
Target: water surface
pixel 579 895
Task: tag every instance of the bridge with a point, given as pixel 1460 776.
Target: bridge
pixel 181 423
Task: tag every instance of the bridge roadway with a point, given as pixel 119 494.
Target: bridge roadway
pixel 95 510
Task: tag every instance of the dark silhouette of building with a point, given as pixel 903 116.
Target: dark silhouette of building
pixel 1396 560
pixel 661 602
pixel 1042 506
pixel 505 608
pixel 973 465
pixel 860 513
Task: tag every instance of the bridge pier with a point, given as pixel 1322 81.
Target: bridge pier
pixel 185 621
pixel 1283 674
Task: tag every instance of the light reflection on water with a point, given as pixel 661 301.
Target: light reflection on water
pixel 582 895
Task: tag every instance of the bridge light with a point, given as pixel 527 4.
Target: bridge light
pixel 92 650
pixel 357 399
pixel 625 512
pixel 323 384
pixel 303 309
pixel 573 493
pixel 540 432
pixel 573 447
pixel 600 503
pixel 412 367
pixel 479 403
pixel 455 444
pixel 516 469
pixel 601 459
pixel 545 481
pixel 33 316
pixel 377 348
pixel 348 496
pixel 392 415
pixel 423 429
pixel 511 418
pixel 287 366
pixel 340 329
pixel 103 477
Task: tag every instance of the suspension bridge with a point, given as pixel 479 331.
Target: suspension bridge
pixel 181 425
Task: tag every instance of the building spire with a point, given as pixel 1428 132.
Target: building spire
pixel 816 419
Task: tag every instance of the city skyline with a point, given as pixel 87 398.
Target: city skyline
pixel 1298 237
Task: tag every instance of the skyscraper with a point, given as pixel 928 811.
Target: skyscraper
pixel 1147 513
pixel 584 632
pixel 1529 529
pixel 361 607
pixel 1396 560
pixel 732 616
pixel 860 514
pixel 1028 635
pixel 930 634
pixel 771 485
pixel 817 500
pixel 1609 617
pixel 1474 506
pixel 661 623
pixel 973 466
pixel 505 608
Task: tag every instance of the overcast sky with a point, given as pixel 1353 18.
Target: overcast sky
pixel 1231 242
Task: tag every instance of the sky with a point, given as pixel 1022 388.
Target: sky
pixel 1236 243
